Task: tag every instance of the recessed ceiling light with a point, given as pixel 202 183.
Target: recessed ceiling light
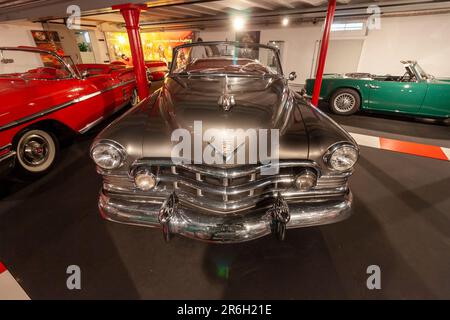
pixel 238 23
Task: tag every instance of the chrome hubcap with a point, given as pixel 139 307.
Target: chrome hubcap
pixel 34 150
pixel 344 102
pixel 134 98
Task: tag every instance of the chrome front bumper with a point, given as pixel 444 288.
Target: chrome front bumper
pixel 176 218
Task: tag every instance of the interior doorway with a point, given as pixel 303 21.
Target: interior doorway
pixel 84 43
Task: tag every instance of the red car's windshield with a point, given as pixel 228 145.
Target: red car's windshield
pixel 31 65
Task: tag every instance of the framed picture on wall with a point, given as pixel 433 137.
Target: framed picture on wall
pixel 40 36
pixel 249 37
pixel 155 45
pixel 48 40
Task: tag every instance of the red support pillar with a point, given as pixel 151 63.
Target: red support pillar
pixel 130 13
pixel 323 52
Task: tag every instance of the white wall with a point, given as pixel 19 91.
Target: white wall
pixel 99 46
pixel 68 40
pixel 424 38
pixel 18 34
pixel 298 46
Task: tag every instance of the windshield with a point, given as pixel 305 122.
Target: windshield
pixel 422 73
pixel 31 65
pixel 228 58
pixel 68 60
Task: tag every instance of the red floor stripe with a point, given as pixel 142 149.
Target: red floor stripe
pixel 2 268
pixel 417 149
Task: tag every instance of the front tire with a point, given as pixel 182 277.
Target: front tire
pixel 36 151
pixel 345 102
pixel 134 101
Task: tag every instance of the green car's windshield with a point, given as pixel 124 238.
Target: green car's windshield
pixel 422 72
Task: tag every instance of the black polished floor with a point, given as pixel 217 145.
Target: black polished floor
pixel 401 224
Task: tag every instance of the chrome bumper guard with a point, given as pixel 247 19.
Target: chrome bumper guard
pixel 175 218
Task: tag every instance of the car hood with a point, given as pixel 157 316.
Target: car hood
pixel 15 92
pixel 259 103
pixel 150 130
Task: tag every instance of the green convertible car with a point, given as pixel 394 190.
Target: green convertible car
pixel 415 93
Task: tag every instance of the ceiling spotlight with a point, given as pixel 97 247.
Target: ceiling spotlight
pixel 238 23
pixel 121 39
pixel 285 22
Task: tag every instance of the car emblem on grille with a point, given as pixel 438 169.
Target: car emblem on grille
pixel 227 148
pixel 227 101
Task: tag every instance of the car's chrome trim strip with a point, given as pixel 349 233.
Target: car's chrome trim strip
pixel 231 172
pixel 43 113
pixel 91 125
pixel 218 196
pixel 94 123
pixel 7 156
pixel 9 145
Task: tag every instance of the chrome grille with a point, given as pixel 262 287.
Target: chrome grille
pixel 221 189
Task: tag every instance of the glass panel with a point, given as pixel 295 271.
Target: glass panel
pixel 31 65
pixel 226 58
pixel 83 41
pixel 348 26
pixel 280 46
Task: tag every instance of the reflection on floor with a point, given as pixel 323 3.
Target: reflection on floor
pixel 395 127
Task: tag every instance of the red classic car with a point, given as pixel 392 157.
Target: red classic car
pixel 44 96
pixel 157 69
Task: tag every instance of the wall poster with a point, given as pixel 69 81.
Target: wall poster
pixel 48 40
pixel 156 45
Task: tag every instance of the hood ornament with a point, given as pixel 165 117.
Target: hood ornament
pixel 227 101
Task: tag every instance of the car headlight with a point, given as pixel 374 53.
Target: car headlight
pixel 144 179
pixel 305 180
pixel 341 156
pixel 108 154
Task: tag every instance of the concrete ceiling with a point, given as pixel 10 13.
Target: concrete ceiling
pixel 205 13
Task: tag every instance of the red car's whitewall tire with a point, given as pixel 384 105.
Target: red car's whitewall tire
pixel 36 151
pixel 134 98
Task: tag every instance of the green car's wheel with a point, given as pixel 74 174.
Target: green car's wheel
pixel 345 101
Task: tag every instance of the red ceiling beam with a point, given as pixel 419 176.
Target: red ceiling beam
pixel 130 13
pixel 323 52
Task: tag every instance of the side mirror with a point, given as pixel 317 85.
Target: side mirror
pixel 292 76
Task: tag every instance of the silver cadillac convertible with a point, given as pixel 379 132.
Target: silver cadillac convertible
pixel 225 151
